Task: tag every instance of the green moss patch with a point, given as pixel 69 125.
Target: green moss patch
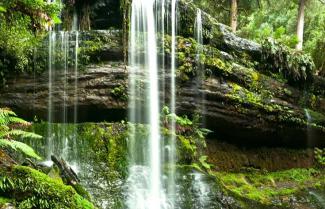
pixel 33 189
pixel 274 187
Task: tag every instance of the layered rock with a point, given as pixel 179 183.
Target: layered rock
pixel 242 99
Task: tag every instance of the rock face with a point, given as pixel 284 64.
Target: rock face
pixel 29 95
pixel 241 101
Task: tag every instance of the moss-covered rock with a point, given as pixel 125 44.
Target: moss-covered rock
pixel 282 189
pixel 30 188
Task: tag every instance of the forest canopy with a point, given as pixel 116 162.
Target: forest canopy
pixel 260 19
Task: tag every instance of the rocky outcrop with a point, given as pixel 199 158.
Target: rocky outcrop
pixel 29 96
pixel 241 99
pixel 230 109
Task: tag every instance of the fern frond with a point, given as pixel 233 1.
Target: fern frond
pixel 19 134
pixel 19 146
pixel 23 134
pixel 17 120
pixel 7 116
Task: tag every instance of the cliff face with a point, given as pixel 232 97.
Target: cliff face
pixel 249 93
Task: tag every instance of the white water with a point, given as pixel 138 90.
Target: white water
pixel 58 70
pixel 143 36
pixel 64 49
pixel 172 153
pixel 146 82
pixel 200 68
pixel 310 136
pixel 51 62
pixel 320 198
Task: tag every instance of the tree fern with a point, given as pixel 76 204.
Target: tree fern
pixel 11 130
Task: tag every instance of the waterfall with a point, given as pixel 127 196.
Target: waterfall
pixel 146 86
pixel 51 64
pixel 64 49
pixel 310 137
pixel 200 68
pixel 172 154
pixel 63 52
pixel 143 36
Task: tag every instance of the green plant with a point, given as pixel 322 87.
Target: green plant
pixel 190 136
pixel 120 92
pixel 33 189
pixel 22 27
pixel 295 66
pixel 320 156
pixel 11 129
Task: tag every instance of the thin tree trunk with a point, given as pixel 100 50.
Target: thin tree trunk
pixel 300 24
pixel 233 15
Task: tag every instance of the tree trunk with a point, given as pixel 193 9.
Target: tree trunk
pixel 85 19
pixel 300 24
pixel 233 15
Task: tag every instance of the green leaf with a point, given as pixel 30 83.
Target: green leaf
pixel 23 134
pixel 19 146
pixel 203 161
pixel 2 9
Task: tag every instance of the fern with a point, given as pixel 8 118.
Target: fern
pixel 22 134
pixel 19 146
pixel 10 130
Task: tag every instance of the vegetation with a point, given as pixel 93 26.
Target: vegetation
pixel 11 129
pixel 262 19
pixel 272 188
pixel 33 189
pixel 190 138
pixel 22 26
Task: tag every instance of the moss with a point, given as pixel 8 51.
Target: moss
pixel 120 92
pixel 33 189
pixel 271 188
pixel 317 117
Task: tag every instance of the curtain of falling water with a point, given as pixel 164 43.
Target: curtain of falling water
pixel 65 51
pixel 149 20
pixel 75 108
pixel 144 180
pixel 51 62
pixel 172 154
pixel 200 68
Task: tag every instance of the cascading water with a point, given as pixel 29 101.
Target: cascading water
pixel 145 182
pixel 310 137
pixel 60 56
pixel 143 36
pixel 172 154
pixel 200 68
pixel 64 49
pixel 51 63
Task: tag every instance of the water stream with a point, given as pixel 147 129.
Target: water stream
pixel 152 85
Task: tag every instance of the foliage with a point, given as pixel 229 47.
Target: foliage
pixel 320 156
pixel 32 189
pixel 120 92
pixel 318 55
pixel 22 26
pixel 190 136
pixel 295 66
pixel 10 130
pixel 267 187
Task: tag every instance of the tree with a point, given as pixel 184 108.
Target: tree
pixel 300 24
pixel 233 15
